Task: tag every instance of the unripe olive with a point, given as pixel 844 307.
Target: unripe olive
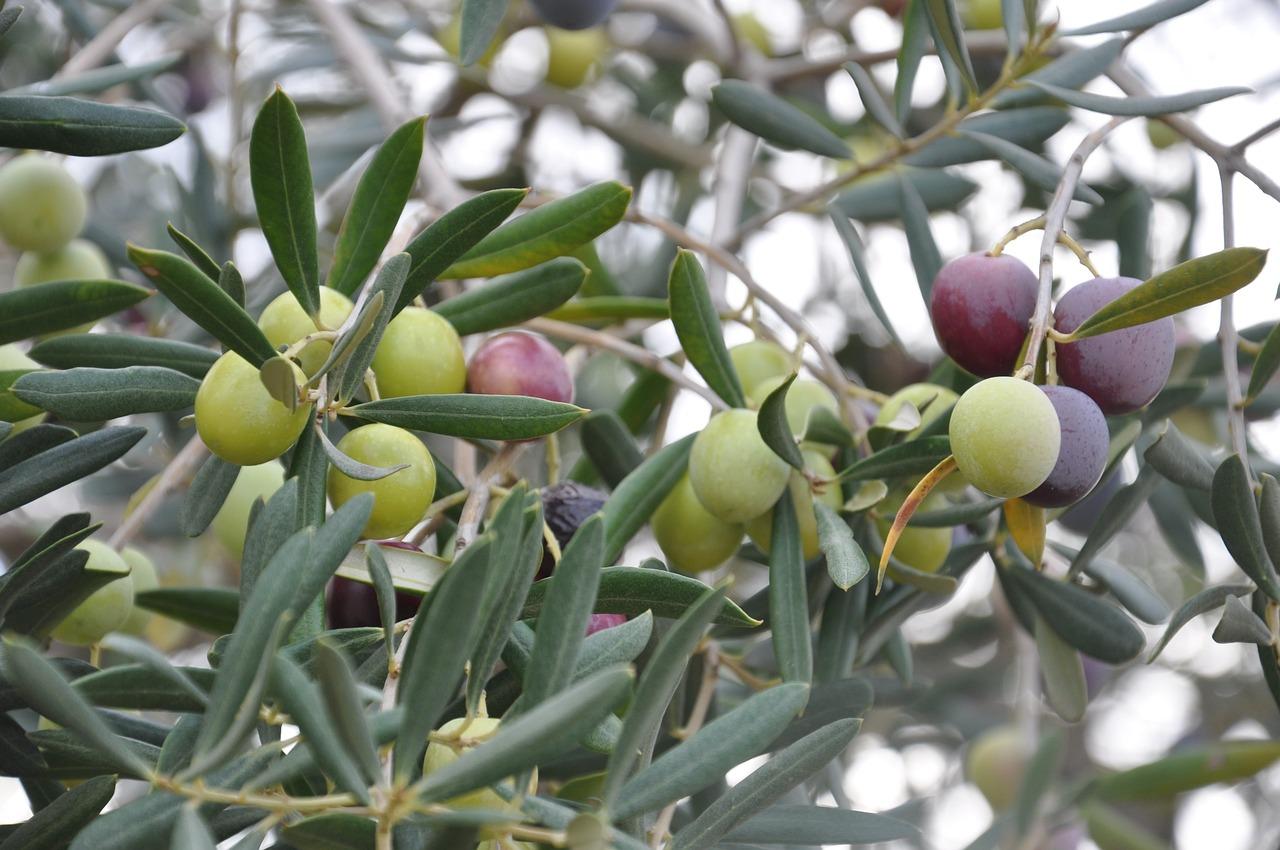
pixel 734 474
pixel 420 354
pixel 691 538
pixel 930 399
pixel 142 572
pixel 573 55
pixel 1005 436
pixel 749 29
pixel 996 763
pixel 440 755
pixel 450 38
pixel 923 549
pixel 758 361
pixel 284 322
pixel 231 522
pixel 107 608
pixel 982 15
pixel 802 397
pixel 401 498
pixel 12 358
pixel 42 207
pixel 239 420
pixel 1161 135
pixel 760 529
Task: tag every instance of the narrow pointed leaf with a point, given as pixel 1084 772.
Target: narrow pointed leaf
pixel 1225 761
pixel 1269 515
pixel 774 428
pixel 231 282
pixel 1071 70
pixel 204 302
pixel 35 310
pixel 351 467
pixel 63 464
pixel 76 127
pixel 1236 513
pixel 1178 460
pixel 846 562
pixel 120 351
pixel 440 643
pixel 383 294
pixel 1028 128
pixel 634 590
pixel 86 394
pixel 654 691
pixel 635 499
pixel 1040 171
pixel 1149 106
pixel 793 824
pixel 1063 680
pixel 1141 18
pixel 195 253
pixel 1090 624
pixel 1013 17
pixel 788 595
pixel 515 298
pixel 697 325
pixel 210 609
pixel 775 120
pixel 872 100
pixel 375 208
pixel 1190 284
pixel 53 827
pixel 155 661
pixel 610 308
pixel 191 833
pixel 473 415
pixel 384 590
pixel 915 42
pixel 609 446
pixel 342 699
pixel 857 256
pixel 1240 625
pixel 1121 507
pixel 452 235
pixel 765 785
pixel 552 230
pixel 911 458
pixel 1264 365
pixel 947 28
pixel 548 730
pixel 480 22
pixel 280 173
pixel 878 197
pixel 925 258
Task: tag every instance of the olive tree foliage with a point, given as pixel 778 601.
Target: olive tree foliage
pixel 314 737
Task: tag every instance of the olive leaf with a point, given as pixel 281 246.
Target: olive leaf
pixel 75 127
pixel 515 298
pixel 774 428
pixel 1139 19
pixel 472 415
pixel 1225 761
pixel 50 307
pixel 122 351
pixel 351 467
pixel 775 120
pixel 697 325
pixel 1137 105
pixel 1235 511
pixel 480 22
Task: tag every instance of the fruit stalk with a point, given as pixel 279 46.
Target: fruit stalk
pixel 1054 219
pixel 1227 336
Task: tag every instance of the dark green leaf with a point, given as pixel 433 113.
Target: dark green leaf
pixel 609 446
pixel 949 34
pixel 440 643
pixel 1149 106
pixel 473 415
pixel 1071 70
pixel 1236 513
pixel 231 282
pixel 342 699
pixel 63 464
pixel 662 674
pixel 1269 515
pixel 206 494
pixel 1226 761
pixel 635 499
pixel 1090 624
pixel 53 827
pixel 380 196
pixel 1123 505
pixel 119 351
pixel 77 127
pixel 204 302
pixel 1178 460
pixel 552 230
pixel 775 120
pixel 1141 18
pixel 209 609
pixel 915 43
pixel 1038 170
pixel 765 785
pixel 925 258
pixel 280 172
pixel 821 825
pixel 697 324
pixel 774 428
pixel 384 590
pixel 1027 128
pixel 452 235
pixel 610 308
pixel 515 298
pixel 853 244
pixel 35 310
pixel 634 590
pixel 788 595
pixel 333 831
pixel 878 197
pixel 1128 589
pixel 1240 625
pixel 911 458
pixel 480 22
pixel 1264 365
pixel 86 394
pixel 846 562
pixel 191 833
pixel 872 100
pixel 1063 673
pixel 384 292
pixel 196 254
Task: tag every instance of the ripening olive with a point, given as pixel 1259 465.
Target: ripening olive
pixel 401 498
pixel 600 622
pixel 760 529
pixel 420 354
pixel 758 361
pixel 107 608
pixel 461 736
pixel 42 207
pixel 996 763
pixel 980 307
pixel 802 397
pixel 692 539
pixel 12 358
pixel 231 522
pixel 142 572
pixel 574 55
pixel 1005 436
pixel 520 363
pixel 239 420
pixel 284 322
pixel 734 474
pixel 923 549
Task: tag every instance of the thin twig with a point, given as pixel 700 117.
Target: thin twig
pixel 1256 136
pixel 1227 337
pixel 102 45
pixel 1054 219
pixel 178 468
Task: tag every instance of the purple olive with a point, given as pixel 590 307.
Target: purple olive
pixel 981 306
pixel 574 14
pixel 600 622
pixel 354 604
pixel 1122 370
pixel 565 507
pixel 1082 455
pixel 519 363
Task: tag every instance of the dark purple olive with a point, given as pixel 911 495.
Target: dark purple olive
pixel 980 307
pixel 574 14
pixel 354 604
pixel 1084 514
pixel 565 507
pixel 1122 370
pixel 1082 455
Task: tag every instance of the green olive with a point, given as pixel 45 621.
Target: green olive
pixel 996 763
pixel 462 736
pixel 760 529
pixel 982 15
pixel 239 420
pixel 12 358
pixel 749 29
pixel 923 549
pixel 758 361
pixel 401 498
pixel 42 207
pixel 573 55
pixel 284 322
pixel 1005 436
pixel 420 354
pixel 734 474
pixel 231 522
pixel 107 608
pixel 142 572
pixel 692 539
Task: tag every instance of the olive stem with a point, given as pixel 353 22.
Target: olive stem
pixel 272 803
pixel 1054 219
pixel 909 505
pixel 179 466
pixel 1227 337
